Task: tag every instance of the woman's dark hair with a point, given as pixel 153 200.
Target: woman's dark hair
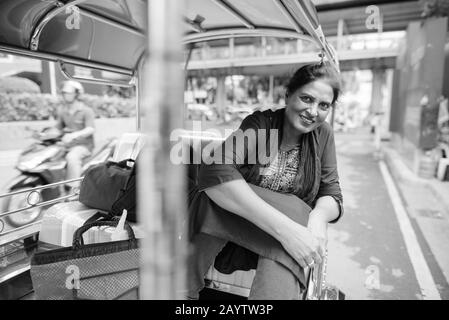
pixel 312 72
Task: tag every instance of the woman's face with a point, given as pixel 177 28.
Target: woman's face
pixel 308 106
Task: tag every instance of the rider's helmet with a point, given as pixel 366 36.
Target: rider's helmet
pixel 72 86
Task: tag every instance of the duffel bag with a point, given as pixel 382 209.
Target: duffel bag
pixel 103 183
pixel 127 198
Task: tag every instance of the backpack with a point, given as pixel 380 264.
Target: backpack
pixel 127 198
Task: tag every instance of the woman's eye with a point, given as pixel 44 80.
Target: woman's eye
pixel 307 99
pixel 324 106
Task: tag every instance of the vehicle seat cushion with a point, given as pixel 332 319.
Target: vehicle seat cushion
pixel 128 146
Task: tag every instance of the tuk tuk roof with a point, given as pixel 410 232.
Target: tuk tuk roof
pixel 217 19
pixel 110 33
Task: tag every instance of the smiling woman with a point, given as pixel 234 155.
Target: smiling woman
pixel 271 217
pixel 311 92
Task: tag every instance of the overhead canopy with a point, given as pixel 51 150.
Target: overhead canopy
pixel 216 19
pixel 102 33
pixel 109 34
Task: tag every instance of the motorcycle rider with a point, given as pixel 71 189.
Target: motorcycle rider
pixel 77 121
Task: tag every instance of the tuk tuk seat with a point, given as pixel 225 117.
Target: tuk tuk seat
pixel 239 282
pixel 128 146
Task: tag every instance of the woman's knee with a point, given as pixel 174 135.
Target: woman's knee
pixel 274 281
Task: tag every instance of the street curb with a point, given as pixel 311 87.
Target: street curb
pixel 401 172
pixel 399 169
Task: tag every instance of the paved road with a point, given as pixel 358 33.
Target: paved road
pixel 368 256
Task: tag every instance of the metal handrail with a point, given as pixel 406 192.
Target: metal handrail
pixel 20 233
pixel 243 32
pixel 30 191
pixel 51 185
pixel 15 230
pixel 42 204
pixel 55 58
pixel 65 72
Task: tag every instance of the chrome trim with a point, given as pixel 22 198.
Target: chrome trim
pixel 42 204
pixel 56 58
pixel 111 22
pixel 29 197
pixel 14 273
pixel 66 74
pixel 20 233
pixel 139 72
pixel 288 15
pixel 295 59
pixel 317 33
pixel 91 44
pixel 38 204
pixel 290 5
pixel 40 187
pixel 60 7
pixel 234 12
pixel 243 32
pixel 189 56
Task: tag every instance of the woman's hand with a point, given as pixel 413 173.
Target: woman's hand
pixel 237 196
pixel 317 226
pixel 302 245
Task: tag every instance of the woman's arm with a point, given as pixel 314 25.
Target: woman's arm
pixel 236 196
pixel 326 209
pixel 328 206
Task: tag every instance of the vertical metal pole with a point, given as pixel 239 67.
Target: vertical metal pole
pixel 52 73
pixel 161 189
pixel 231 48
pixel 271 89
pixel 220 98
pixel 138 102
pixel 264 46
pixel 299 46
pixel 340 29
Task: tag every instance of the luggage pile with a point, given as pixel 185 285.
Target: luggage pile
pixel 98 256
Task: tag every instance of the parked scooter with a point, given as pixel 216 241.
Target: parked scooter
pixel 42 163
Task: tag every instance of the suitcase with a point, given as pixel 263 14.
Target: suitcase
pixel 60 222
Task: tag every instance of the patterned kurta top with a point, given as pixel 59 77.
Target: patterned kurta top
pixel 280 174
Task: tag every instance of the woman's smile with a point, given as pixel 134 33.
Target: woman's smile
pixel 306 119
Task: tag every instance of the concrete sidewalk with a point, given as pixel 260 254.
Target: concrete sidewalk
pixel 427 203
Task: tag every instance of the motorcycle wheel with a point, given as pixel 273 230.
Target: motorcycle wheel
pixel 18 201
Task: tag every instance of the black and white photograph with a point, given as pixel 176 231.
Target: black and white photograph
pixel 224 155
